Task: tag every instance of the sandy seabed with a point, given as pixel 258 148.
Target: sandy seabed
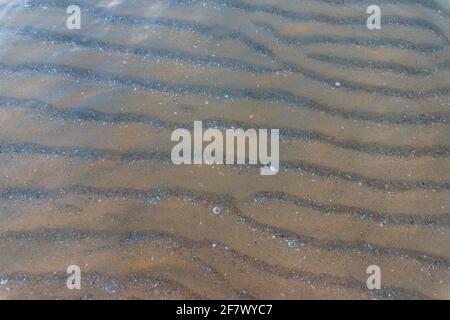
pixel 86 176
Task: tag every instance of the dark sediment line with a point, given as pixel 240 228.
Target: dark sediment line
pixel 349 85
pixel 85 114
pixel 362 41
pixel 97 154
pixel 217 32
pixel 85 153
pixel 301 16
pixel 430 4
pixel 388 185
pixel 355 246
pixel 209 61
pixel 239 4
pixel 234 64
pixel 385 66
pixel 321 279
pixel 286 134
pixel 232 34
pixel 106 282
pixel 358 212
pixel 154 196
pixel 316 279
pixel 226 93
pixel 146 52
pixel 270 9
pixel 298 101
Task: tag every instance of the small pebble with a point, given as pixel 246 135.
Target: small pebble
pixel 292 243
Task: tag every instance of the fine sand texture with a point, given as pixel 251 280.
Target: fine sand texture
pixel 86 176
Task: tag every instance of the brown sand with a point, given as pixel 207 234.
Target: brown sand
pixel 85 172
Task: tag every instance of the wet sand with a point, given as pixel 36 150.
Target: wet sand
pixel 85 171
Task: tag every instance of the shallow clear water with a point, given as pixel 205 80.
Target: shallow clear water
pixel 86 176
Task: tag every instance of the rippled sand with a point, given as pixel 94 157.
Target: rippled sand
pixel 86 177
